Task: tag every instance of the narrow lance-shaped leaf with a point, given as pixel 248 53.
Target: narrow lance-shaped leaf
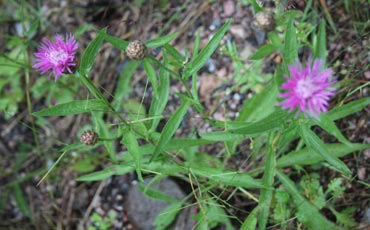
pixel 159 103
pixel 194 76
pixel 73 107
pixel 116 42
pixel 221 136
pixel 167 215
pixel 150 72
pixel 313 141
pixel 270 122
pixel 106 173
pixel 123 85
pixel 103 129
pixel 250 222
pixel 161 41
pixel 179 59
pixel 170 128
pixel 129 139
pixel 329 126
pixel 263 51
pixel 290 52
pixel 349 108
pixel 21 201
pixel 308 156
pixel 229 178
pixel 89 55
pixel 91 87
pixel 266 193
pixel 206 52
pixel 320 49
pixel 260 105
pixel 156 194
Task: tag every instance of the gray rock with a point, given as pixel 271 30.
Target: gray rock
pixel 142 210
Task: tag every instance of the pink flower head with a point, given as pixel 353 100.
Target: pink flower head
pixel 308 89
pixel 56 56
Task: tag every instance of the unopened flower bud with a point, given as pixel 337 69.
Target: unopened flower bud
pixel 136 50
pixel 264 21
pixel 89 137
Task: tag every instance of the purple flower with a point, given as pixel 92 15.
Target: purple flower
pixel 56 56
pixel 308 89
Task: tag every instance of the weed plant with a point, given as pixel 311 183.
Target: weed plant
pixel 277 123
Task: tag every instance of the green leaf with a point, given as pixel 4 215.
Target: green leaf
pixel 90 53
pixel 104 131
pixel 313 141
pixel 348 109
pixel 290 52
pixel 156 194
pixel 175 144
pixel 320 49
pixel 116 42
pixel 229 178
pixel 309 215
pixel 161 41
pixel 150 72
pixel 345 217
pixel 221 136
pixel 167 215
pixel 21 201
pixel 206 52
pixel 308 156
pixel 170 128
pixel 329 126
pixel 106 173
pixel 260 105
pixel 130 140
pixel 273 121
pixel 275 39
pixel 159 103
pixel 123 85
pixel 73 107
pixel 250 223
pixel 88 83
pixel 266 192
pixel 263 51
pixel 179 59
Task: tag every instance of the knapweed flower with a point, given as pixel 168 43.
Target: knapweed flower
pixel 56 56
pixel 307 89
